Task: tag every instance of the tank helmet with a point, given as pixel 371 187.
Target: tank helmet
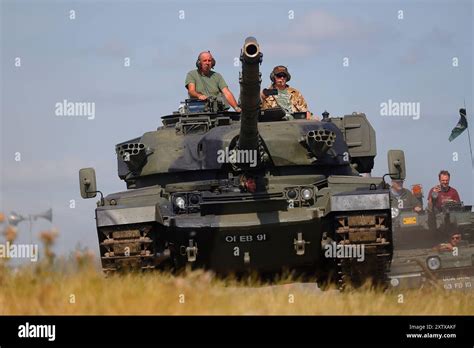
pixel 278 70
pixel 198 60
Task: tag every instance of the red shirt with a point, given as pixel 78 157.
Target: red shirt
pixel 450 195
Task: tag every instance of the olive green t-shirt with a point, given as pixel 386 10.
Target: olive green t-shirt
pixel 211 85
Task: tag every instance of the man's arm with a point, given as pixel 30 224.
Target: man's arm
pixel 299 103
pixel 266 101
pixel 456 196
pixel 430 199
pixel 415 203
pixel 193 93
pixel 230 98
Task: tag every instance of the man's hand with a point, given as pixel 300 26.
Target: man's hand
pixel 268 92
pixel 437 189
pixel 238 109
pixel 193 93
pixel 229 97
pixel 417 209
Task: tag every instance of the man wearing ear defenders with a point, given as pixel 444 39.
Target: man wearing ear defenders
pixel 203 83
pixel 283 96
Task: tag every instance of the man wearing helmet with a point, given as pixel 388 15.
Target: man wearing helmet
pixel 203 83
pixel 287 98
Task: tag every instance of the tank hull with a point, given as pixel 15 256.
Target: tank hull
pixel 245 233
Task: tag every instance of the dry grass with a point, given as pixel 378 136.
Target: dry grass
pixel 75 286
pixel 42 291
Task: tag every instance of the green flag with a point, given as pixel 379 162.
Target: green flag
pixel 460 127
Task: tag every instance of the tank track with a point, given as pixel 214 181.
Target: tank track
pixel 372 233
pixel 127 247
pixel 352 274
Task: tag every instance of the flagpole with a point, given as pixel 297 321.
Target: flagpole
pixel 470 147
pixel 469 137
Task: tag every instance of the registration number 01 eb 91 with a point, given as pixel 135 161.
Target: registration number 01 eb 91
pixel 246 238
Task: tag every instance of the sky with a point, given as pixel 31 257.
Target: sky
pixel 344 56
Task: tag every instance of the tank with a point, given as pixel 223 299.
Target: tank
pixel 424 255
pixel 250 192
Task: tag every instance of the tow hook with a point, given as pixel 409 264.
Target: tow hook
pixel 191 251
pixel 300 244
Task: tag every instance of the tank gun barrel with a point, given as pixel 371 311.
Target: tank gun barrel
pixel 250 80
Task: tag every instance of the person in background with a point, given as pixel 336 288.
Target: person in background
pixel 402 198
pixel 454 241
pixel 442 193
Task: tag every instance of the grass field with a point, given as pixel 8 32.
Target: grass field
pixel 76 286
pixel 42 291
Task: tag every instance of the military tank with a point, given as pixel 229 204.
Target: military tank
pixel 424 254
pixel 251 191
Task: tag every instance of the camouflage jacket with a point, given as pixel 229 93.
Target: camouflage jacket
pixel 298 104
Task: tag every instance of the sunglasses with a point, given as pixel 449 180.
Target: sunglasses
pixel 280 75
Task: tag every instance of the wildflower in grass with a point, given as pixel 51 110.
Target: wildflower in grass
pixel 48 238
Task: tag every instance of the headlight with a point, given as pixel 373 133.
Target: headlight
pixel 307 194
pixel 394 282
pixel 395 212
pixel 433 263
pixel 292 194
pixel 194 199
pixel 180 202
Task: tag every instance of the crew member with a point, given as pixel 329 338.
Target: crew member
pixel 456 237
pixel 403 198
pixel 203 83
pixel 442 193
pixel 287 98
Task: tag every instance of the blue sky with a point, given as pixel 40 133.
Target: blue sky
pixel 403 60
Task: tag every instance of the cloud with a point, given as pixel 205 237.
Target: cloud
pixel 42 173
pixel 289 49
pixel 321 26
pixel 313 32
pixel 122 98
pixel 422 47
pixel 113 48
